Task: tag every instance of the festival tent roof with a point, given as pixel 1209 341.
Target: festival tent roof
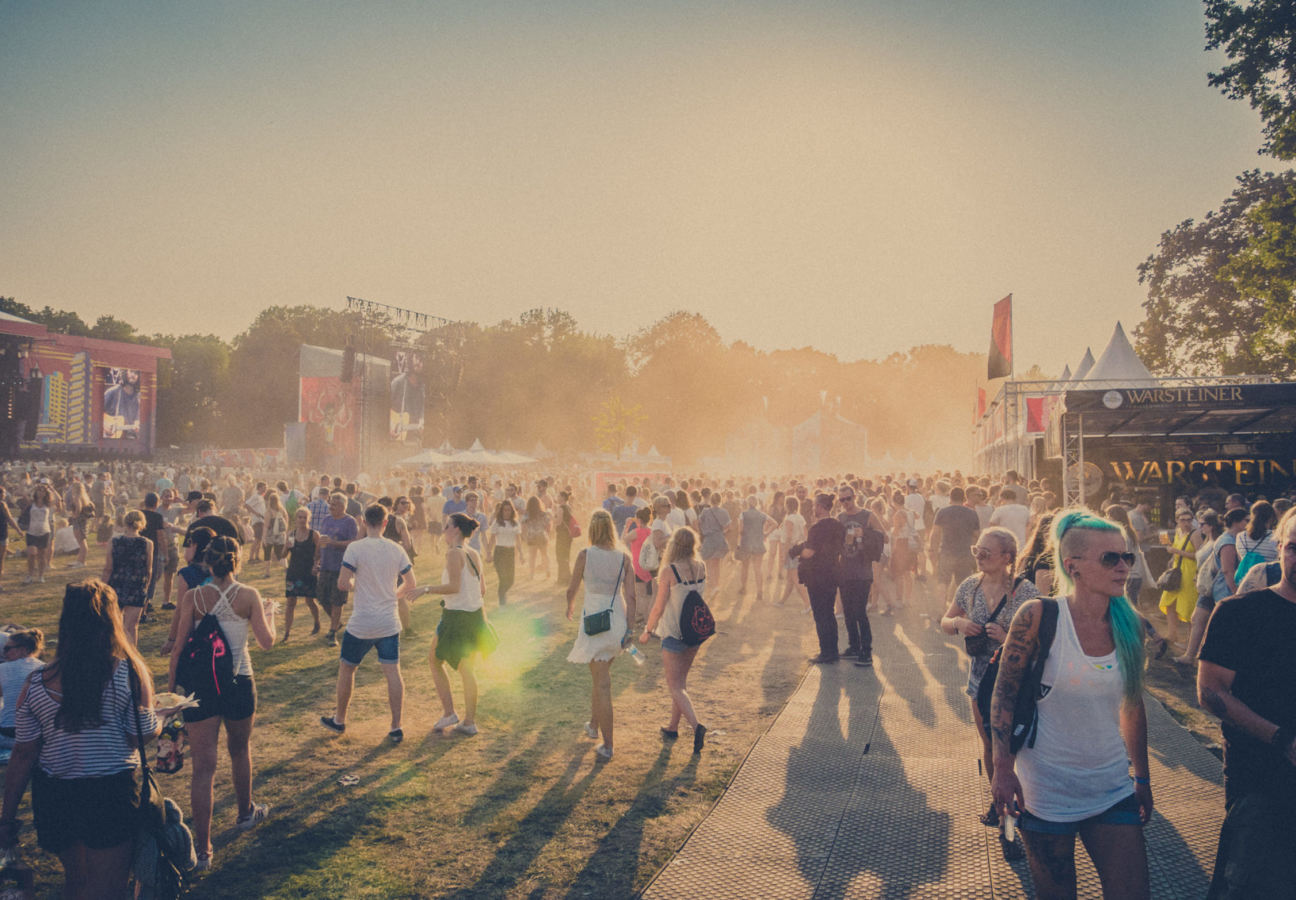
pixel 1086 363
pixel 540 451
pixel 427 457
pixel 1065 377
pixel 1119 362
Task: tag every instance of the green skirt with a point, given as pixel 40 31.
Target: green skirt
pixel 461 633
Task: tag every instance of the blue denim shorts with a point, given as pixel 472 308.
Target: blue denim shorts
pixel 355 649
pixel 673 645
pixel 1126 812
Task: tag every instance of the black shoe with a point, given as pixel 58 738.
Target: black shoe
pixel 395 735
pixel 990 819
pixel 329 723
pixel 1012 851
pixel 667 734
pixel 865 660
pixel 823 658
pixel 168 605
pixel 331 640
pixel 699 737
pixel 852 651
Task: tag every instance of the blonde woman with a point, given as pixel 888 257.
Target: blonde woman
pixel 608 575
pixel 681 571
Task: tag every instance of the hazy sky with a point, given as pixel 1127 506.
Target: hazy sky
pixel 860 177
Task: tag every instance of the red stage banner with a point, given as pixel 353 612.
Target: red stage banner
pixel 999 364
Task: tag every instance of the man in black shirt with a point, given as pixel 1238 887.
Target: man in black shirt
pixel 1247 677
pixel 155 530
pixel 862 544
pixel 954 530
pixel 205 510
pixel 820 557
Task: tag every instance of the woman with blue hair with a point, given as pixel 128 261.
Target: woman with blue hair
pixel 1091 725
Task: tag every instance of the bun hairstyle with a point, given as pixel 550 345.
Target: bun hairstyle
pixel 222 556
pixel 466 524
pixel 31 639
pixel 1071 533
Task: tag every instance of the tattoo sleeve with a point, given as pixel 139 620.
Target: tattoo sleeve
pixel 1023 638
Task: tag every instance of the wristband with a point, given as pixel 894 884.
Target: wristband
pixel 1139 780
pixel 1282 738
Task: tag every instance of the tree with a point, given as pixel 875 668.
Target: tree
pixel 56 320
pixel 111 328
pixel 615 423
pixel 1266 270
pixel 193 389
pixel 1259 39
pixel 1199 319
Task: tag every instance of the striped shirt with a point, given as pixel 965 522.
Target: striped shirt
pixel 91 753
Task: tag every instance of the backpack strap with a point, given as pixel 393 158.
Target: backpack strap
pixel 1047 631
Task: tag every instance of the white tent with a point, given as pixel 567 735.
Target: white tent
pixel 427 457
pixel 1119 362
pixel 1086 363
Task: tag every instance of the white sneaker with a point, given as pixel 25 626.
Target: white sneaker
pixel 203 863
pixel 259 814
pixel 591 731
pixel 602 752
pixel 445 722
pixel 466 729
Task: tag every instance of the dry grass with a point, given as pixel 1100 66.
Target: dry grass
pixel 520 810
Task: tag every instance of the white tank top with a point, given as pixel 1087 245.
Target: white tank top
pixel 1078 766
pixel 469 596
pixel 234 625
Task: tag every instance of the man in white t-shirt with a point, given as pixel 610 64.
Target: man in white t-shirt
pixel 255 505
pixel 1012 514
pixel 375 570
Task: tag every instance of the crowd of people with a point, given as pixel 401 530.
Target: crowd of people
pixel 996 561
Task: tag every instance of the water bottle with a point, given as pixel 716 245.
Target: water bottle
pixel 635 654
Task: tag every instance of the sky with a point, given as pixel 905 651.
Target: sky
pixel 858 177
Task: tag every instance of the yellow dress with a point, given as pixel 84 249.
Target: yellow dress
pixel 1183 600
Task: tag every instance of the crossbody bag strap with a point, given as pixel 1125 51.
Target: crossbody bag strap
pixel 481 581
pixel 133 679
pixel 998 609
pixel 617 588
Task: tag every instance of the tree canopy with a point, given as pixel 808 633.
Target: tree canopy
pixel 1259 38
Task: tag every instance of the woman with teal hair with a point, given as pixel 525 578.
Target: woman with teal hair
pixel 1091 727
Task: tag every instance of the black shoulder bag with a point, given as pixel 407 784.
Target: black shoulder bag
pixel 979 644
pixel 601 621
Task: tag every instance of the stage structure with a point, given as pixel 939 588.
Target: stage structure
pixel 78 397
pixel 1113 427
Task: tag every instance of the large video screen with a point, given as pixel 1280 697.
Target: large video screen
pixel 121 404
pixel 407 396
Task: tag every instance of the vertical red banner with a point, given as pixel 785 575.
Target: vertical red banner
pixel 999 364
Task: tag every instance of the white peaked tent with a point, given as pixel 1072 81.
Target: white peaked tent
pixel 1065 377
pixel 1120 363
pixel 426 458
pixel 1082 370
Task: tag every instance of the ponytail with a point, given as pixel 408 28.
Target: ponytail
pixel 1127 628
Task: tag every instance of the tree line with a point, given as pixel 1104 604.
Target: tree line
pixel 1220 288
pixel 676 384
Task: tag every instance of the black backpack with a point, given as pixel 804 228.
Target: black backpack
pixel 1024 718
pixel 206 664
pixel 696 622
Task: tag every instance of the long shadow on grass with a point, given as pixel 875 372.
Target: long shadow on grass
pixel 614 864
pixel 532 833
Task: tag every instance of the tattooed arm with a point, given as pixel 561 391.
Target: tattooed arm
pixel 1023 640
pixel 1215 693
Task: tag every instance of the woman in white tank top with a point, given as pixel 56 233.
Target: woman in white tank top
pixel 238 608
pixel 608 575
pixel 1091 725
pixel 681 572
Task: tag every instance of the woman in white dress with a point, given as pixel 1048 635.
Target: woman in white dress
pixel 606 570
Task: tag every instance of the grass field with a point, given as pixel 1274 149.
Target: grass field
pixel 521 809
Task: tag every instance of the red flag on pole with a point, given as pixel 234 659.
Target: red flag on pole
pixel 999 364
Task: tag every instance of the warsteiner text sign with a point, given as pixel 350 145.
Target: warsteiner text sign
pixel 1239 471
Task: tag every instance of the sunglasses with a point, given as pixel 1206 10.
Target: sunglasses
pixel 1111 559
pixel 982 552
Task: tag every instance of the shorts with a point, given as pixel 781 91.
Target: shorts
pixel 300 587
pixel 1206 602
pixel 673 645
pixel 955 567
pixel 355 649
pixel 258 530
pixel 436 527
pixel 39 541
pixel 172 557
pixel 1126 812
pixel 233 705
pixel 97 812
pixel 792 563
pixel 326 590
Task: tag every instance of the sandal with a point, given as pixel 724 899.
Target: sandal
pixel 260 812
pixel 990 818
